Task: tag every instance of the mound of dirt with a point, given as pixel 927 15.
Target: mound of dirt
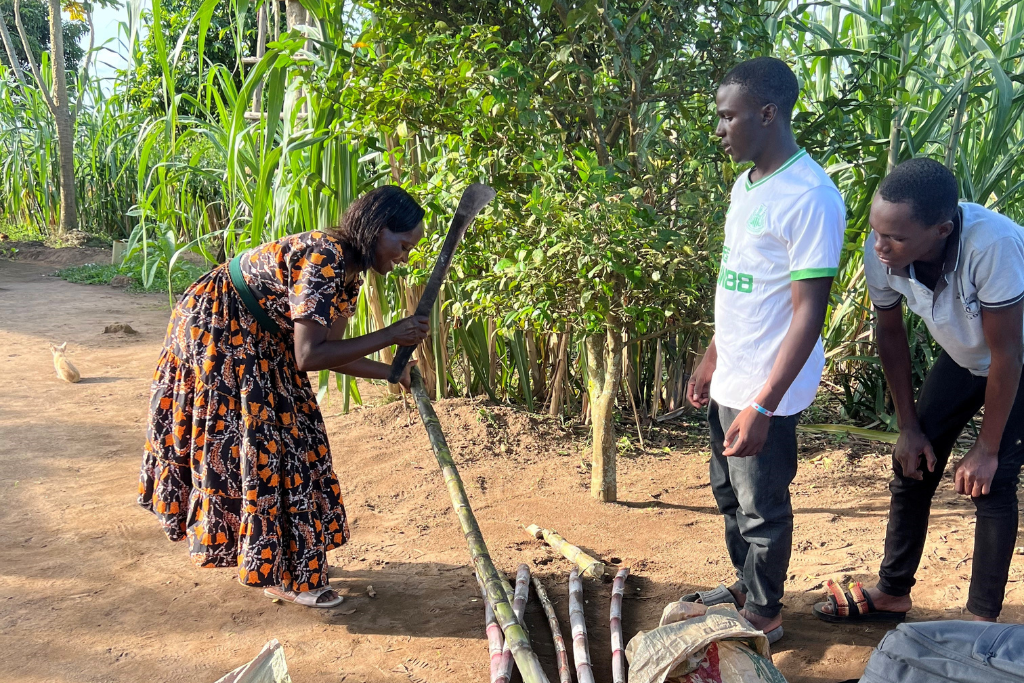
pixel 119 328
pixel 477 429
pixel 37 252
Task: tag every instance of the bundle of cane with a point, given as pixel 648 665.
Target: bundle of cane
pixel 580 647
pixel 618 656
pixel 495 641
pixel 564 672
pixel 515 635
pixel 589 566
pixel 519 598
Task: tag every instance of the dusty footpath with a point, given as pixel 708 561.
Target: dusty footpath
pixel 92 591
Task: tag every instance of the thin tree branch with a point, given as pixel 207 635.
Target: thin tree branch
pixel 11 54
pixel 635 83
pixel 636 17
pixel 31 60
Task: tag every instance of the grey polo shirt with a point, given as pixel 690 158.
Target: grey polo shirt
pixel 983 268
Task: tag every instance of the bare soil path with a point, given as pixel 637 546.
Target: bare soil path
pixel 92 591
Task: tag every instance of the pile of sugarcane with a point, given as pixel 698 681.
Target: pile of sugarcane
pixel 504 606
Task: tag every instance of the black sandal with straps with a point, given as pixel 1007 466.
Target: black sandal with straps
pixel 854 605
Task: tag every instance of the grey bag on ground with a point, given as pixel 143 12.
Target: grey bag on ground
pixel 949 652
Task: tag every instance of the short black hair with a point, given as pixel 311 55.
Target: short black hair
pixel 768 80
pixel 388 207
pixel 928 186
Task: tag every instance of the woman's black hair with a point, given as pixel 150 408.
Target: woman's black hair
pixel 388 207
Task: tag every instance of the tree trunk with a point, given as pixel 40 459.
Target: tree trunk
pixel 656 391
pixel 604 370
pixel 64 123
pixel 558 382
pixel 536 366
pixel 295 13
pixel 492 353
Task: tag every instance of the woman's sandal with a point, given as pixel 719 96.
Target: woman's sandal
pixel 315 598
pixel 854 605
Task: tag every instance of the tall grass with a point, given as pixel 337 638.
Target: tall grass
pixel 882 82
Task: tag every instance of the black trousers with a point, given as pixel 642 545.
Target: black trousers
pixel 753 497
pixel 950 397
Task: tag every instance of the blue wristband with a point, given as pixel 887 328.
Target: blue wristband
pixel 761 409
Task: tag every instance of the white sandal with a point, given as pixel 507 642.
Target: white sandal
pixel 306 599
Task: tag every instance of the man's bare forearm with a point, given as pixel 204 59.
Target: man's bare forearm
pixel 894 351
pixel 809 303
pixel 1003 333
pixel 711 354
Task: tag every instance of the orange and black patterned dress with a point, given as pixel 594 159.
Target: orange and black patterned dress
pixel 236 457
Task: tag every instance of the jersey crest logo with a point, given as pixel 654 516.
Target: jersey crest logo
pixel 757 223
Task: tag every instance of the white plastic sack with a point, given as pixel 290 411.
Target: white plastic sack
pixel 698 644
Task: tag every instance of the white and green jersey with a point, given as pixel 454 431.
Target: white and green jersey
pixel 787 226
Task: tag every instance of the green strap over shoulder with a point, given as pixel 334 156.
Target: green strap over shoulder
pixel 235 271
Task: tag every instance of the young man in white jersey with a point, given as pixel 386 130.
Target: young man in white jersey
pixel 783 238
pixel 960 267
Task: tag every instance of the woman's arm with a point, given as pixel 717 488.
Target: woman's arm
pixel 318 347
pixel 371 369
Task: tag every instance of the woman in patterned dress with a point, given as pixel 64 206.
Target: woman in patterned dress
pixel 236 457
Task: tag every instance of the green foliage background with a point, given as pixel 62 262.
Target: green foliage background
pixel 35 16
pixel 594 121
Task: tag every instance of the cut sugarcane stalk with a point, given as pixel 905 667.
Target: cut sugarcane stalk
pixel 580 647
pixel 618 656
pixel 495 641
pixel 515 635
pixel 519 599
pixel 564 671
pixel 590 566
pixel 506 661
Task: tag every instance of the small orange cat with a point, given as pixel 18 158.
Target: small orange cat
pixel 65 370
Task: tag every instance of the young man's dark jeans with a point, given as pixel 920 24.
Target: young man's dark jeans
pixel 753 495
pixel 948 400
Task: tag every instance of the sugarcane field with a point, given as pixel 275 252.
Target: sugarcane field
pixel 543 341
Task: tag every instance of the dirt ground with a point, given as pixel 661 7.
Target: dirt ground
pixel 91 589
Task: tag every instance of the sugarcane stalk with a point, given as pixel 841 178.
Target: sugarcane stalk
pixel 580 646
pixel 519 597
pixel 564 672
pixel 495 641
pixel 515 635
pixel 590 566
pixel 618 655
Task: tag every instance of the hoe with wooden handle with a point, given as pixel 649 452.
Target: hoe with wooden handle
pixel 475 198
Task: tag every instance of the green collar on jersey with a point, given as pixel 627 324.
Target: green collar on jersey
pixel 792 160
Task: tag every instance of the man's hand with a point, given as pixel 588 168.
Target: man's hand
pixel 910 446
pixel 406 379
pixel 975 472
pixel 747 434
pixel 697 389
